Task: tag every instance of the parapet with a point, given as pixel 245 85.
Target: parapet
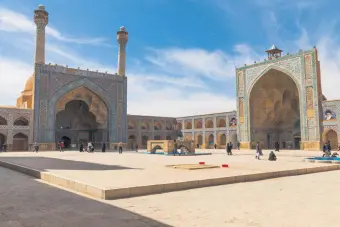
pixel 46 68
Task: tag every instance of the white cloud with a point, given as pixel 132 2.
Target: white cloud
pixel 149 92
pixel 214 65
pixel 329 56
pixel 13 76
pixel 11 21
pixel 173 101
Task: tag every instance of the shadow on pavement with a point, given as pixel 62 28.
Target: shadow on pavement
pixel 42 163
pixel 26 202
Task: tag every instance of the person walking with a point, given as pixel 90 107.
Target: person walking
pixel 238 145
pixel 175 147
pixel 258 151
pixel 120 148
pixel 36 147
pixel 89 147
pixel 228 148
pixel 103 147
pixel 136 147
pixel 61 146
pixel 81 147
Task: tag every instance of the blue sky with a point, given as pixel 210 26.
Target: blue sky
pixel 181 53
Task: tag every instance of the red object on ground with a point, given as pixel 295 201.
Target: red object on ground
pixel 201 163
pixel 225 165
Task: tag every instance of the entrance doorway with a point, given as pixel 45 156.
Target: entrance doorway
pixel 132 142
pixel 67 141
pixel 332 137
pixel 81 117
pixel 2 139
pixel 20 142
pixel 274 111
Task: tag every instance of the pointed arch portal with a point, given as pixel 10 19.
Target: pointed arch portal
pixel 81 116
pixel 274 111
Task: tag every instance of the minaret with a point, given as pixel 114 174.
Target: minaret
pixel 122 38
pixel 41 20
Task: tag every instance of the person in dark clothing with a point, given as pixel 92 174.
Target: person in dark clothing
pixel 136 148
pixel 329 146
pixel 238 145
pixel 258 151
pixel 272 156
pixel 175 147
pixel 120 148
pixel 215 146
pixel 103 147
pixel 81 147
pixel 92 147
pixel 229 147
pixel 277 146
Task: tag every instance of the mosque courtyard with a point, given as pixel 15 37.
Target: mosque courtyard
pixel 288 192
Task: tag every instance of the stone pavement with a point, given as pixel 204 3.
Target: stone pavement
pixel 303 201
pixel 25 202
pixel 300 201
pixel 111 170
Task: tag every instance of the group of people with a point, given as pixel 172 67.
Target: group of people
pixel 272 156
pixel 327 150
pixel 89 148
pixel 229 147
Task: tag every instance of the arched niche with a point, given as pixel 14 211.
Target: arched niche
pixel 145 139
pixel 3 121
pixel 157 125
pixel 274 110
pixel 95 104
pixel 221 123
pixel 198 123
pixel 132 125
pixel 179 126
pixel 188 125
pixel 222 139
pixel 211 139
pixel 199 139
pixel 331 136
pixel 21 121
pixel 20 142
pixel 209 123
pixel 145 125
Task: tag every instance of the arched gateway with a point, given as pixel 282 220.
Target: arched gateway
pixel 279 101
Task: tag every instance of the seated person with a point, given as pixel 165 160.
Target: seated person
pixel 334 155
pixel 272 156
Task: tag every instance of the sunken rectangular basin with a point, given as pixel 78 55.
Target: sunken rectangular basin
pixel 192 166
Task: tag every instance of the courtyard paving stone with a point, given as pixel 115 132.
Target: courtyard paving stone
pixel 131 169
pixel 26 202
